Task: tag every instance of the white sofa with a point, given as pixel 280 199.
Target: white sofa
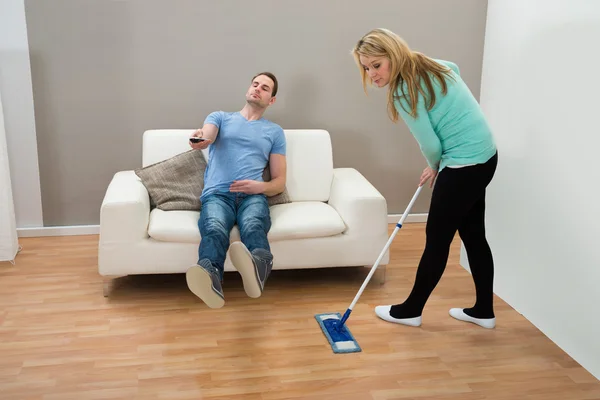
pixel 336 218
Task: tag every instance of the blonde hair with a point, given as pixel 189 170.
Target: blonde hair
pixel 406 65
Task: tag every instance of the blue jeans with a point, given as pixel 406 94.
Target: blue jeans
pixel 220 212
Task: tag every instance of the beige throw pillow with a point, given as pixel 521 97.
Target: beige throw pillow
pixel 175 183
pixel 281 198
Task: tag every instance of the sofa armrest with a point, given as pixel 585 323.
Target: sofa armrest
pixel 125 210
pixel 362 207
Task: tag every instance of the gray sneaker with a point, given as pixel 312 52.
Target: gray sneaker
pixel 204 281
pixel 254 267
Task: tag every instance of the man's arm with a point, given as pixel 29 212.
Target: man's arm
pixel 209 131
pixel 278 170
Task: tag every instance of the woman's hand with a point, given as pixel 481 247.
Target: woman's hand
pixel 428 173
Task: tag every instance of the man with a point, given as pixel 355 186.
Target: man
pixel 241 145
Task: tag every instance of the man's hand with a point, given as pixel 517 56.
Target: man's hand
pixel 428 173
pixel 201 145
pixel 247 186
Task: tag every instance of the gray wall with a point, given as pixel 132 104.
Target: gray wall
pixel 105 71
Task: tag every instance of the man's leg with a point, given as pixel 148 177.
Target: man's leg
pixel 252 256
pixel 217 218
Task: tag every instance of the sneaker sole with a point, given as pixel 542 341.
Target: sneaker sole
pixel 199 282
pixel 242 261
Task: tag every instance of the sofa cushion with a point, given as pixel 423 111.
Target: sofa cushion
pixel 162 144
pixel 177 182
pixel 309 164
pixel 288 221
pixel 304 220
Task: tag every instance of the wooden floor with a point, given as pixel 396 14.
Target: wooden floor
pixel 60 339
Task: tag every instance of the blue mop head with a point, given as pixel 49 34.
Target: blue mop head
pixel 340 338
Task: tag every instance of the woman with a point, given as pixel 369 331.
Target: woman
pixel 457 143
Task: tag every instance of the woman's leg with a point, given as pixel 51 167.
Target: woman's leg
pixel 455 194
pixel 481 262
pixel 445 212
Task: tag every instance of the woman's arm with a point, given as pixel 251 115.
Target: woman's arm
pixel 423 131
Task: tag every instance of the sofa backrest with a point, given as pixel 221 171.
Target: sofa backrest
pixel 309 158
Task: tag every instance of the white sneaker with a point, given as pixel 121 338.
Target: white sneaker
pixel 383 312
pixel 459 314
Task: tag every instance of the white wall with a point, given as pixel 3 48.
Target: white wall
pixel 540 90
pixel 17 97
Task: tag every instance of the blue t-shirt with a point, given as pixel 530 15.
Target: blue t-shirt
pixel 241 149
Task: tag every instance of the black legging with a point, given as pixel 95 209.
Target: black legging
pixel 457 203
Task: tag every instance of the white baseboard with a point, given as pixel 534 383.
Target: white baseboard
pixel 95 229
pixel 59 231
pixel 411 218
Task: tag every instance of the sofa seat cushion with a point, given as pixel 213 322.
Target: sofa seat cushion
pixel 296 220
pixel 304 219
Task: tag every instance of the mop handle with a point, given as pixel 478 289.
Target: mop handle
pixel 387 245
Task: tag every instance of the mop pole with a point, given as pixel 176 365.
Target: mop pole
pixel 374 268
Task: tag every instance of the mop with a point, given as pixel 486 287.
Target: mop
pixel 333 325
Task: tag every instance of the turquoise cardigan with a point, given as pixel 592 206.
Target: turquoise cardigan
pixel 455 132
